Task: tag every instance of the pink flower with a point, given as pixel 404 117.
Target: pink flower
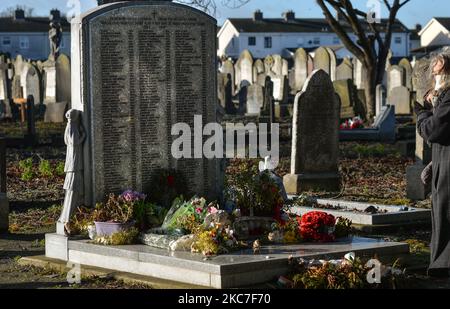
pixel 213 210
pixel 198 210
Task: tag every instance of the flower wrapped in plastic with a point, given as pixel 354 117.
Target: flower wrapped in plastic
pixel 184 214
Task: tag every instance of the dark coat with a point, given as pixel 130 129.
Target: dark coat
pixel 434 127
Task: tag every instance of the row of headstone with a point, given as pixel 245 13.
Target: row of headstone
pixel 48 82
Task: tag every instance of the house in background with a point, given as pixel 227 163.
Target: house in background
pixel 265 36
pixel 436 32
pixel 28 36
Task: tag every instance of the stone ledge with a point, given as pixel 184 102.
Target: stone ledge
pixel 231 270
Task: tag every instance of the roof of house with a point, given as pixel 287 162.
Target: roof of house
pixel 30 24
pixel 298 25
pixel 444 21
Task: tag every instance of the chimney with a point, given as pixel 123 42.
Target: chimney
pixel 289 16
pixel 258 15
pixel 418 27
pixel 55 15
pixel 19 14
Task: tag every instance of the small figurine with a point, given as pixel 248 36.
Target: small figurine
pixel 256 247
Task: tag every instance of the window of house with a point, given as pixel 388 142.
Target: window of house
pixel 336 41
pixel 251 41
pixel 6 41
pixel 398 40
pixel 268 42
pixel 316 41
pixel 24 42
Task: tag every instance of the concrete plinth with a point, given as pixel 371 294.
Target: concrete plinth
pixel 236 269
pixel 297 183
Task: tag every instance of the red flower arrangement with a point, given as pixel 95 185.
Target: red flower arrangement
pixel 352 124
pixel 317 226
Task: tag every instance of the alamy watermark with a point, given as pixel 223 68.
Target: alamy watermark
pixel 211 142
pixel 374 12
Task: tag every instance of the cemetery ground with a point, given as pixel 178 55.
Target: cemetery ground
pixel 371 172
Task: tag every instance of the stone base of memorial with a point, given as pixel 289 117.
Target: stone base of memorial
pixel 4 213
pixel 297 183
pixel 236 269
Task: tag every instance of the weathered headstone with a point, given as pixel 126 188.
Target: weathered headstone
pixel 143 67
pixel 395 77
pixel 333 63
pixel 49 82
pixel 255 98
pixel 315 137
pixel 420 80
pixel 359 74
pixel 300 69
pixel 322 60
pixel 345 70
pixel 400 97
pixel 221 88
pixel 259 72
pixel 54 112
pixel 63 83
pixel 244 69
pixel 228 95
pixel 284 68
pixel 406 65
pixel 33 84
pixel 228 68
pixel 30 137
pixel 344 90
pixel 4 205
pixel 381 98
pixel 3 79
pixel 23 78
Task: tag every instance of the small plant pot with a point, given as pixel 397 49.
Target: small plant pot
pixel 109 228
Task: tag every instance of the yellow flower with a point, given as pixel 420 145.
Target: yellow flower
pixel 290 236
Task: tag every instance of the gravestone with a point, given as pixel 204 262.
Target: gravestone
pixel 310 64
pixel 268 100
pixel 395 77
pixel 4 205
pixel 359 74
pixel 344 90
pixel 228 95
pixel 49 68
pixel 274 65
pixel 30 137
pixel 420 79
pixel 143 67
pixel 221 88
pixel 284 68
pixel 16 88
pixel 33 84
pixel 406 65
pixel 55 112
pixel 259 72
pixel 400 97
pixel 380 99
pixel 244 69
pixel 300 69
pixel 228 68
pixel 3 79
pixel 315 137
pixel 63 83
pixel 23 78
pixel 255 98
pixel 345 70
pixel 322 60
pixel 333 63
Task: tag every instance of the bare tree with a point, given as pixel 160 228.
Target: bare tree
pixel 371 48
pixel 9 12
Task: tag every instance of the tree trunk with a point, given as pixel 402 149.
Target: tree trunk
pixel 370 92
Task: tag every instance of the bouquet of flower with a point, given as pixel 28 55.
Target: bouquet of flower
pixel 352 124
pixel 215 240
pixel 317 226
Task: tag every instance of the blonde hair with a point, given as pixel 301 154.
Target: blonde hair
pixel 445 59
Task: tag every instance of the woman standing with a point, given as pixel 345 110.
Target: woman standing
pixel 433 124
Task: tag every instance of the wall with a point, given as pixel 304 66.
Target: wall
pixel 38 44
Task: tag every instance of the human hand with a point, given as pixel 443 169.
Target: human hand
pixel 419 108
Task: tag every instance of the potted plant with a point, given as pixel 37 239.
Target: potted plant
pixel 117 213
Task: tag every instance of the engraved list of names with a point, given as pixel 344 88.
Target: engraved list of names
pixel 151 69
